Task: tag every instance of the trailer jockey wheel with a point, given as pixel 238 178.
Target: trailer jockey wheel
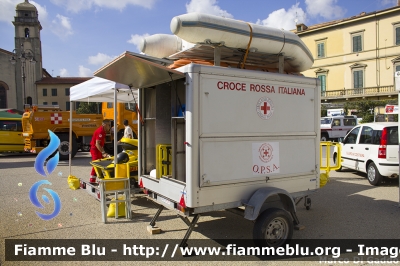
pixel 307 203
pixel 273 228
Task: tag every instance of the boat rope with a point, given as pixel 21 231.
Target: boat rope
pixel 284 41
pixel 248 45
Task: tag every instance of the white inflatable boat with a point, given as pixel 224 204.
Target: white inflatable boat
pixel 202 28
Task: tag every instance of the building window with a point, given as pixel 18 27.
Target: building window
pixel 54 103
pixel 29 100
pixel 44 92
pixel 321 50
pixel 26 33
pixel 322 79
pixel 322 75
pixel 397 34
pixel 358 78
pixel 53 92
pixel 396 66
pixel 66 91
pixel 357 42
pixel 67 106
pixel 44 103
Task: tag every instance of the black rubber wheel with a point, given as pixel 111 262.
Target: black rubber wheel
pixel 373 175
pixel 273 228
pixel 324 137
pixel 63 149
pixel 334 161
pixel 85 148
pixel 308 204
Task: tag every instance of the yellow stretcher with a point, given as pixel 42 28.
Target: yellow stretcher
pixel 125 168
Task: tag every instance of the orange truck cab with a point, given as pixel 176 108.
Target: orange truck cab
pixel 124 111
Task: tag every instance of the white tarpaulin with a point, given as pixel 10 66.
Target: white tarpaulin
pixel 100 90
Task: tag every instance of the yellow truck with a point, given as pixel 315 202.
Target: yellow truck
pixel 11 133
pixel 37 120
pixel 125 111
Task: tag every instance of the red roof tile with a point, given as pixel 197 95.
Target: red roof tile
pixel 63 80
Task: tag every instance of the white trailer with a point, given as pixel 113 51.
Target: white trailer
pixel 217 138
pixel 334 112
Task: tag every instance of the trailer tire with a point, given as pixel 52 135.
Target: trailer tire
pixel 273 228
pixel 63 149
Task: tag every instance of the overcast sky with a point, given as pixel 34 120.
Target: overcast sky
pixel 81 36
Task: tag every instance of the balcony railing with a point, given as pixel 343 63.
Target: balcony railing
pixel 359 92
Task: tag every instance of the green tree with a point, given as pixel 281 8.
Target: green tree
pixel 366 108
pixel 87 108
pixel 324 111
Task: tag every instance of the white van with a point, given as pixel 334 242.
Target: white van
pixel 334 127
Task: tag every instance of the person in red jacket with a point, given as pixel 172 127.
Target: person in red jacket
pixel 97 145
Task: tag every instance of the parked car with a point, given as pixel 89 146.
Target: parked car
pixel 334 127
pixel 372 148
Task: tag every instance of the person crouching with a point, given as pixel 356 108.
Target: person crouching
pixel 97 146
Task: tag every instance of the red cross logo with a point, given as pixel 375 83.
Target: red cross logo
pixel 266 152
pixel 265 108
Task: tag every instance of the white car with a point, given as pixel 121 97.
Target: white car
pixel 372 148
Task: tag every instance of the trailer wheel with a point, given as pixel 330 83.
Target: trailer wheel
pixel 273 228
pixel 64 147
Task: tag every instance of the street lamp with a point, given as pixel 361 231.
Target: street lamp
pixel 23 55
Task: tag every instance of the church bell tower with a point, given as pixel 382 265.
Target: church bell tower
pixel 28 50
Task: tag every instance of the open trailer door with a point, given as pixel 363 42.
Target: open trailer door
pixel 138 71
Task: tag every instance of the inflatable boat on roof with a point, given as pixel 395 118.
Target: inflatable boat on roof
pixel 262 43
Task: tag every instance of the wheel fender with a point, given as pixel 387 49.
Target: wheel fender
pixel 256 201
